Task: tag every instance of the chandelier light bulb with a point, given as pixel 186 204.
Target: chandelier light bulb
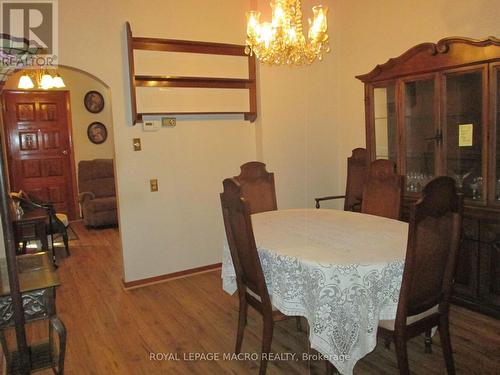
pixel 282 40
pixel 253 21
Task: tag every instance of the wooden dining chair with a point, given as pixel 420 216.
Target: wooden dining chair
pixel 58 222
pixel 383 190
pixel 356 172
pixel 431 256
pixel 252 289
pixel 257 187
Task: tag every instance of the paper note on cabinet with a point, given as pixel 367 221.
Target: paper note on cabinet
pixel 465 135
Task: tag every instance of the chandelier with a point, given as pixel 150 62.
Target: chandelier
pixel 43 78
pixel 282 41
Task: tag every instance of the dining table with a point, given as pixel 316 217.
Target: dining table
pixel 340 270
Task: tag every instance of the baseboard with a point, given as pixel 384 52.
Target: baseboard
pixel 170 276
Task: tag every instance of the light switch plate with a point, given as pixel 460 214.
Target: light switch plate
pixel 136 142
pixel 153 184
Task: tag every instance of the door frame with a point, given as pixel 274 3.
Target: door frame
pixel 74 215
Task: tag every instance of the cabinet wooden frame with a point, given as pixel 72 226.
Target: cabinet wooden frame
pixel 437 61
pixel 478 271
pixel 187 46
pixel 494 74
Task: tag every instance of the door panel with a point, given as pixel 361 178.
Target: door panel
pixel 39 147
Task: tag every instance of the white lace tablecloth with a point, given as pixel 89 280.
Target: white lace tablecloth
pixel 340 270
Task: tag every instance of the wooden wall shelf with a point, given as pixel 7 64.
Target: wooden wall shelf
pixel 172 45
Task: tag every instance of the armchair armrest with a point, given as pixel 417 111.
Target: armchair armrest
pixel 85 195
pixel 327 198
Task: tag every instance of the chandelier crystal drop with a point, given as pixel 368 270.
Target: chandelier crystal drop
pixel 282 41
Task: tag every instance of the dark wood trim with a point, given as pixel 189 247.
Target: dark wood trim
pixel 252 72
pixel 71 156
pixel 140 116
pixel 369 119
pixel 10 254
pixel 188 46
pixel 494 71
pixel 448 53
pixel 131 69
pixel 175 275
pixel 175 81
pixel 400 129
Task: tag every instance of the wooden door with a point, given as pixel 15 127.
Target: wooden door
pixel 39 148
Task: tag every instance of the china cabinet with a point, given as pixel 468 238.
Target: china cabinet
pixel 435 110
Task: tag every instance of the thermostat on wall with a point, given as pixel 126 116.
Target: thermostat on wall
pixel 151 125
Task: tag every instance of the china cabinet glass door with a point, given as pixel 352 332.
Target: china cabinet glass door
pixel 384 99
pixel 421 132
pixel 463 123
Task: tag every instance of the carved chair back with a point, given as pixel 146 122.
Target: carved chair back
pixel 383 190
pixel 241 241
pixel 431 255
pixel 257 187
pixel 357 166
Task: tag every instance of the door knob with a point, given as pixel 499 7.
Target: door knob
pixel 65 152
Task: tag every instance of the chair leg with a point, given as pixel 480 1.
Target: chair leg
pixel 66 242
pixel 444 334
pixel 402 355
pixel 242 322
pixel 267 338
pixel 428 341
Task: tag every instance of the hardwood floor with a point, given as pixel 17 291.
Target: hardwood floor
pixel 113 331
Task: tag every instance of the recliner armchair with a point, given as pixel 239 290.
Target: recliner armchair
pixel 96 184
